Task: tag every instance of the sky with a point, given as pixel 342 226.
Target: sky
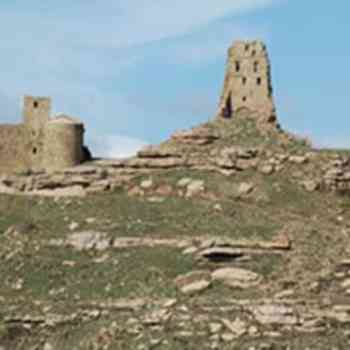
pixel 135 71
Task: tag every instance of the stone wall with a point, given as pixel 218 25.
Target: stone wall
pixel 14 147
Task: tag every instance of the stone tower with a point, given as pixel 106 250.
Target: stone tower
pixel 247 84
pixel 36 112
pixel 36 115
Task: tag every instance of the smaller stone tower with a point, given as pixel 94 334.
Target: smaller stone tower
pixel 247 83
pixel 36 115
pixel 36 112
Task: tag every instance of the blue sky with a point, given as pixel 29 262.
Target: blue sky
pixel 137 70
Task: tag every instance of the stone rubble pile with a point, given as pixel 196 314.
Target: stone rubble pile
pixel 337 174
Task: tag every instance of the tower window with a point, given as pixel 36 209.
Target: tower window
pixel 256 67
pixel 238 66
pixel 258 81
pixel 35 150
pixel 246 47
pixel 35 104
pixel 244 99
pixel 227 110
pixel 244 80
pixel 254 53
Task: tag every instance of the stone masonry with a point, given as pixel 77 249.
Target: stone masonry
pixel 247 84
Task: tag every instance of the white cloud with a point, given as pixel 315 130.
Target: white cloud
pixel 114 146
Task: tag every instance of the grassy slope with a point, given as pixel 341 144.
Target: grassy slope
pixel 277 205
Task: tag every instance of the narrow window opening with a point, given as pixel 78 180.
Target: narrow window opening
pixel 256 67
pixel 244 99
pixel 227 111
pixel 238 66
pixel 36 104
pixel 244 80
pixel 35 150
pixel 258 81
pixel 254 53
pixel 247 47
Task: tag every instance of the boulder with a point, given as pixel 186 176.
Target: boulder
pixel 236 277
pixel 194 188
pixel 88 240
pixel 245 188
pixel 274 314
pixel 193 282
pixel 197 136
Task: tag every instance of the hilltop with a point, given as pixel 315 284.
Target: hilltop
pixel 231 235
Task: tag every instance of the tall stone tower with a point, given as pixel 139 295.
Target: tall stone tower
pixel 247 83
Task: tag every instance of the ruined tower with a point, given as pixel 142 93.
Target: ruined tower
pixel 247 85
pixel 36 112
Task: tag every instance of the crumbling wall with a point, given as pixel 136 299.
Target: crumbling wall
pixel 14 144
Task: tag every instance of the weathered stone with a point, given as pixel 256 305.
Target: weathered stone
pixel 266 169
pixel 218 208
pixel 157 152
pixel 73 226
pixel 197 136
pixel 73 191
pixel 346 283
pixel 298 159
pixel 89 240
pixel 194 188
pixel 227 337
pixel 99 186
pixel 311 185
pixel 155 199
pixel 274 314
pixel 146 184
pixel 215 327
pixel 245 188
pixel 156 163
pixel 237 327
pixel 236 277
pixel 195 287
pixel 184 182
pixel 193 282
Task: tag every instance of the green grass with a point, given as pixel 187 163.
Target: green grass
pixel 64 281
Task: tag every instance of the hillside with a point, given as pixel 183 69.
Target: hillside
pixel 233 235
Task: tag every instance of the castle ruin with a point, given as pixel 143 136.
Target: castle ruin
pixel 41 142
pixel 247 84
